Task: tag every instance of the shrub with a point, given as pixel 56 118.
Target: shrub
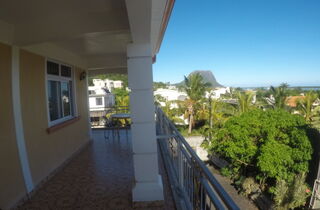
pixel 269 145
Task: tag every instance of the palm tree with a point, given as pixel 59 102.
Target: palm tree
pixel 280 95
pixel 305 105
pixel 195 89
pixel 244 101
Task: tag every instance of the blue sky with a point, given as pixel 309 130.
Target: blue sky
pixel 243 42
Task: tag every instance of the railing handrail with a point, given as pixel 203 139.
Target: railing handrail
pixel 204 169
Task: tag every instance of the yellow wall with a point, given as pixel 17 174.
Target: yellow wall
pixel 47 151
pixel 11 180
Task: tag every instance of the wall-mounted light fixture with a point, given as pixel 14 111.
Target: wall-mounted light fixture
pixel 83 75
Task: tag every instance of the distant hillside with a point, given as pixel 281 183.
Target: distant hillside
pixel 207 77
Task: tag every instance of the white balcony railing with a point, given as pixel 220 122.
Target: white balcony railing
pixel 192 184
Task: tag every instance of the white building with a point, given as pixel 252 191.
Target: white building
pixel 109 84
pixel 170 94
pixel 100 99
pixel 216 93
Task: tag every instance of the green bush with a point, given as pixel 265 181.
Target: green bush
pixel 268 145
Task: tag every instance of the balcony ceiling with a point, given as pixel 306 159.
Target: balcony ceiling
pixel 90 30
pixel 82 27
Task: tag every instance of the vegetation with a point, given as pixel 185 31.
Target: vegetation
pixel 305 105
pixel 169 107
pixel 157 85
pixel 244 101
pixel 122 96
pixel 290 195
pixel 280 95
pixel 272 146
pixel 195 89
pixel 264 140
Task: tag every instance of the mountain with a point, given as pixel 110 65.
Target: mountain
pixel 207 77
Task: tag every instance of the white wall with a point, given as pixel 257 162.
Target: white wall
pixel 169 94
pixel 108 101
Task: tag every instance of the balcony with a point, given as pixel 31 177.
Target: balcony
pixel 99 177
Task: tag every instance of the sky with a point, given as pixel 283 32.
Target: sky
pixel 245 43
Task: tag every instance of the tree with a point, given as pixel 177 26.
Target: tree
pixel 305 105
pixel 157 85
pixel 122 97
pixel 280 95
pixel 170 108
pixel 268 145
pixel 244 101
pixel 195 89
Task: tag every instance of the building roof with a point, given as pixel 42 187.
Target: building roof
pixel 293 100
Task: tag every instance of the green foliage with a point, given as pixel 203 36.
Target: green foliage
pixel 244 101
pixel 157 85
pixel 158 99
pixel 217 112
pixel 290 195
pixel 275 160
pixel 280 95
pixel 269 145
pixel 122 97
pixel 305 106
pixel 315 118
pixel 195 89
pixel 226 171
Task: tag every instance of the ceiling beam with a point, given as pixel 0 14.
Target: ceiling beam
pixel 139 13
pixel 113 61
pixel 119 70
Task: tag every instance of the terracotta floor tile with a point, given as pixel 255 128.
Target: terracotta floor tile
pixel 100 177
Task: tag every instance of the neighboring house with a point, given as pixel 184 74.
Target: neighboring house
pixel 100 101
pixel 218 92
pixel 293 101
pixel 100 98
pixel 47 51
pixel 171 94
pixel 109 84
pixel 317 102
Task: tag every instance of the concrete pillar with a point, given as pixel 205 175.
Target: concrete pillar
pixel 148 186
pixel 22 150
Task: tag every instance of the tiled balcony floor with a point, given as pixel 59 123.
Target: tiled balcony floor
pixel 100 177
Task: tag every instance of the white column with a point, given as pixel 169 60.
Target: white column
pixel 88 106
pixel 148 186
pixel 23 155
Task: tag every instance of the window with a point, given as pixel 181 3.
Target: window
pixel 99 101
pixel 92 92
pixel 60 92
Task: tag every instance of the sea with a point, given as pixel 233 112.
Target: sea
pixel 292 87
